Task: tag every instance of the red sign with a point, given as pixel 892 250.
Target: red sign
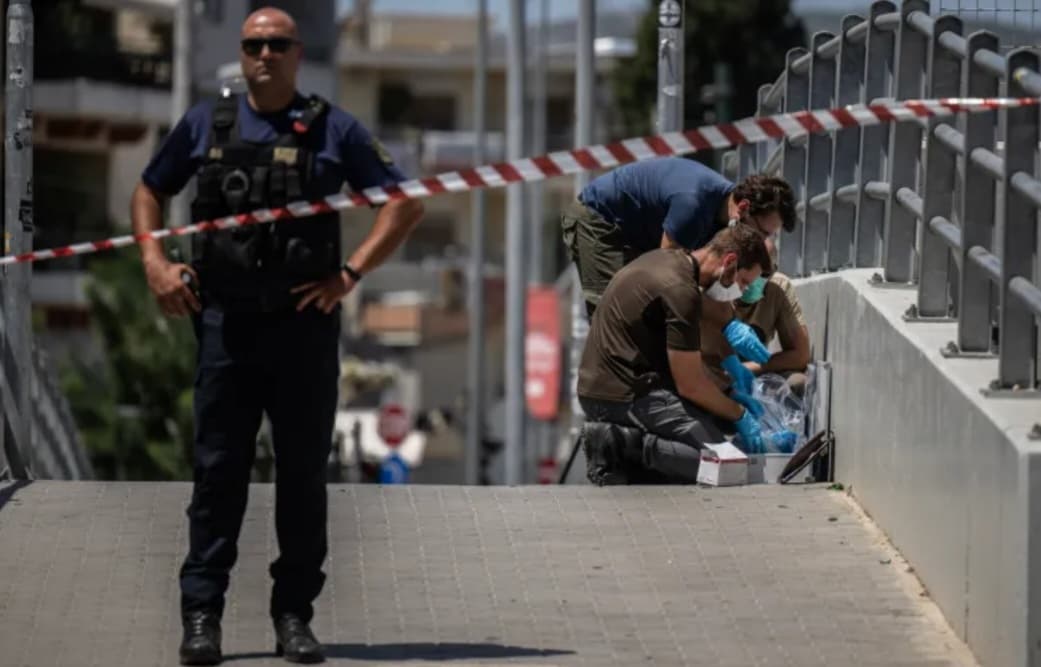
pixel 542 353
pixel 393 424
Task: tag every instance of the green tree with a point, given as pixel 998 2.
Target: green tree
pixel 750 36
pixel 135 411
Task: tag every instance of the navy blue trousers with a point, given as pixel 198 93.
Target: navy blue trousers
pixel 285 364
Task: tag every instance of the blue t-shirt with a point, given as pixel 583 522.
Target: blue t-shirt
pixel 678 196
pixel 349 153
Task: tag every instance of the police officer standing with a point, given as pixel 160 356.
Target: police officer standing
pixel 265 305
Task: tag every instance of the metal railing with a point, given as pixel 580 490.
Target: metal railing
pixel 54 449
pixel 57 451
pixel 949 207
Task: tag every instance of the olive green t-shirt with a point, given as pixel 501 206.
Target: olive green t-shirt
pixel 650 306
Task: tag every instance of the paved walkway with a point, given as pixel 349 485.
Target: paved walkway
pixel 761 575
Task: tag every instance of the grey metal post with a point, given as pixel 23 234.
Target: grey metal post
pixel 585 83
pixel 944 80
pixel 670 65
pixel 878 77
pixel 1016 367
pixel 538 146
pixel 905 140
pixel 16 362
pixel 747 153
pixel 842 214
pixel 181 93
pixel 976 202
pixel 818 159
pixel 537 428
pixel 475 367
pixel 516 284
pixel 796 98
pixel 762 150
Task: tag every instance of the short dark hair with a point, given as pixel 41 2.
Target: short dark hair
pixel 747 242
pixel 766 194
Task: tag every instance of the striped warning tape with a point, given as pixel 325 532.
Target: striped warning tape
pixel 562 163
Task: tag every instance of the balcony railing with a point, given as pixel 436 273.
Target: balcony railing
pixel 132 69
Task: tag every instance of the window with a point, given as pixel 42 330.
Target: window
pixel 434 112
pixel 71 201
pixel 399 107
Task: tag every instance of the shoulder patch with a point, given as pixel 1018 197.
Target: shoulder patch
pixel 381 151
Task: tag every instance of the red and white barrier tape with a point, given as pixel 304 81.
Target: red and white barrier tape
pixel 561 163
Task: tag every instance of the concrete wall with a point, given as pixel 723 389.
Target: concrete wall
pixel 950 475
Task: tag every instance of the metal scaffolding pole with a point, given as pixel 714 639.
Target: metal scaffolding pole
pixel 475 369
pixel 670 65
pixel 585 82
pixel 516 265
pixel 538 143
pixel 181 94
pixel 17 344
pixel 538 435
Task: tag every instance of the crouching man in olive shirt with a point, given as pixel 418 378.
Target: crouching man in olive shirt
pixel 642 365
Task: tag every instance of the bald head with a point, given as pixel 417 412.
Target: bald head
pixel 270 19
pixel 270 58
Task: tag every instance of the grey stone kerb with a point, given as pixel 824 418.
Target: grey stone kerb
pixel 950 475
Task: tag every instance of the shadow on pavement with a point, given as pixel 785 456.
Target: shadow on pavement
pixel 417 651
pixel 435 652
pixel 8 491
pixel 255 655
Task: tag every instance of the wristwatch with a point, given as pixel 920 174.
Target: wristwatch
pixel 351 271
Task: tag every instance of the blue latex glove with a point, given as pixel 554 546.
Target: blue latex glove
pixel 784 441
pixel 744 341
pixel 751 435
pixel 742 377
pixel 752 405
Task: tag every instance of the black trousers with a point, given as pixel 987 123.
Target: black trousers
pixel 675 430
pixel 287 365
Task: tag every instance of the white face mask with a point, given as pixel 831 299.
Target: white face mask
pixel 720 292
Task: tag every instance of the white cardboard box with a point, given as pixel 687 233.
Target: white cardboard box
pixel 723 464
pixel 767 468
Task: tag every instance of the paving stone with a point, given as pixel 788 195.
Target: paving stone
pixel 481 577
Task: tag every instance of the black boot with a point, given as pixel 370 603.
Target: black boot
pixel 602 447
pixel 201 644
pixel 295 641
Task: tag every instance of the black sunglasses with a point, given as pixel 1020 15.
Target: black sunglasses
pixel 252 46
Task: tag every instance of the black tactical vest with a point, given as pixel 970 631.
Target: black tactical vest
pixel 254 267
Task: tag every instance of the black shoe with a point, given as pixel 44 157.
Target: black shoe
pixel 295 642
pixel 600 442
pixel 201 644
